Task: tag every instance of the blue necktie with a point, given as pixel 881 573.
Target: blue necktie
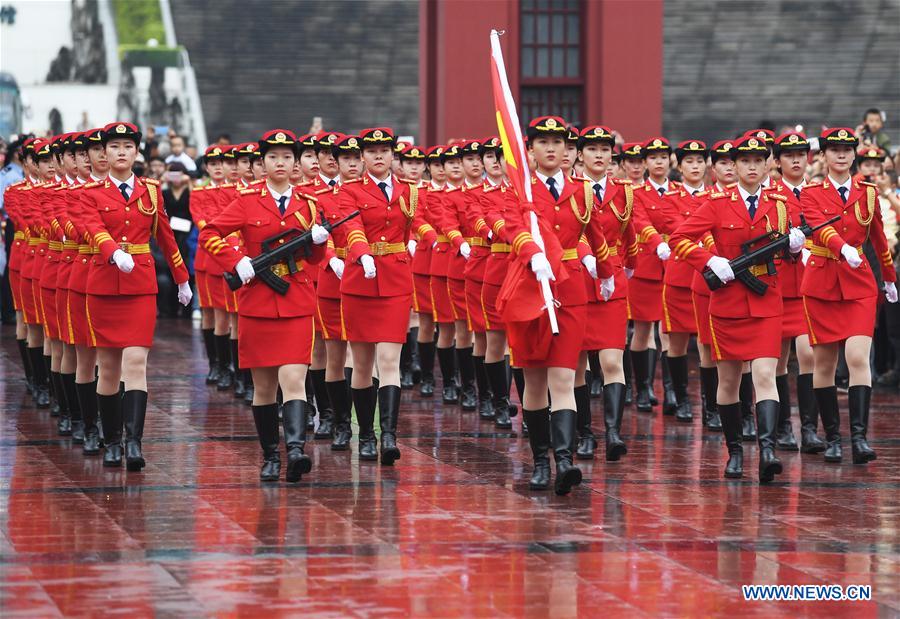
pixel 751 200
pixel 281 204
pixel 124 189
pixel 843 192
pixel 797 193
pixel 383 187
pixel 598 191
pixel 551 185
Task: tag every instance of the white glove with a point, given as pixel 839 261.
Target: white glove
pixel 185 294
pixel 629 273
pixel 607 287
pixel 319 234
pixel 464 250
pixel 798 240
pixel 2 258
pixel 804 256
pixel 851 256
pixel 890 292
pixel 662 251
pixel 368 265
pixel 337 265
pixel 244 269
pixel 720 266
pixel 590 263
pixel 123 260
pixel 541 267
pixel 411 247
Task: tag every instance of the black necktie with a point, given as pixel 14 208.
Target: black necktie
pixel 661 190
pixel 598 191
pixel 281 204
pixel 843 192
pixel 124 189
pixel 332 183
pixel 797 193
pixel 751 200
pixel 383 187
pixel 695 192
pixel 551 185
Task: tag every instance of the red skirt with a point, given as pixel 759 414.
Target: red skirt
pixel 701 317
pixel 329 317
pixel 835 321
pixel 745 339
pixel 48 311
pixel 794 318
pixel 492 318
pixel 15 286
pixel 62 313
pixel 440 299
pixel 376 319
pixel 422 294
pixel 216 292
pixel 534 346
pixel 202 280
pixel 231 302
pixel 29 302
pixel 120 321
pixel 457 288
pixel 273 342
pixel 473 307
pixel 678 310
pixel 607 325
pixel 77 312
pixel 645 299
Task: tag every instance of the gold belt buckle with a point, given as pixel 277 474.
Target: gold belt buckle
pixel 379 248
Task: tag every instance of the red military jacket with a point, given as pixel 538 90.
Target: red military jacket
pixel 827 275
pixel 11 202
pixel 81 263
pixel 329 285
pixel 198 204
pixel 568 217
pixel 41 221
pixel 462 221
pixel 494 202
pixel 727 218
pixel 649 218
pixel 440 253
pixel 615 216
pixel 382 230
pixel 678 206
pixel 421 262
pixel 116 224
pixel 67 218
pixel 791 271
pixel 254 213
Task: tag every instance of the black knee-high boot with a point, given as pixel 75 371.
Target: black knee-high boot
pixel 767 423
pixel 859 397
pixel 826 399
pixel 312 408
pixel 670 401
pixel 587 442
pixel 265 417
pixel 539 439
pixel 209 343
pixel 626 368
pixel 415 363
pixel 323 403
pixel 51 383
pixel 134 411
pixel 469 397
pixel 223 358
pixel 596 384
pixel 68 385
pixel 426 360
pixel 641 363
pixel 388 415
pixel 364 403
pixel 64 422
pixel 784 435
pixel 613 410
pixel 293 418
pixel 562 439
pixel 41 392
pixel 497 377
pixel 406 375
pixel 447 361
pixel 26 364
pixel 731 428
pixel 240 381
pixel 518 376
pixel 709 384
pixel 87 401
pixel 652 360
pixel 485 397
pixel 110 407
pixel 810 443
pixel 678 369
pixel 339 396
pixel 748 427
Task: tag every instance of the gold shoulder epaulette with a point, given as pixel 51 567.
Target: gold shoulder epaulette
pixel 250 190
pixel 621 181
pixel 673 192
pixel 717 194
pixel 304 183
pixel 701 194
pixel 150 181
pixel 323 190
pixel 351 181
pixel 868 184
pixel 226 185
pixel 409 181
pixel 730 185
pixel 815 184
pixel 308 196
pixel 450 189
pixel 489 188
pixel 61 188
pixel 777 196
pixel 91 184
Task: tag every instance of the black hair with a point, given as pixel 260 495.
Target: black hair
pixel 871 110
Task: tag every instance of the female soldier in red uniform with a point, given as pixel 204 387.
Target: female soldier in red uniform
pixel 613 204
pixel 376 289
pixel 745 326
pixel 645 288
pixel 564 211
pixel 839 291
pixel 275 332
pixel 122 214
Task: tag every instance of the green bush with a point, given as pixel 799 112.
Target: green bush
pixel 138 21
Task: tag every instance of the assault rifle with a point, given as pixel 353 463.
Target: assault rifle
pixel 282 248
pixel 765 254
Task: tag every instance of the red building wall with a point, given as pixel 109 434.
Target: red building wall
pixel 623 63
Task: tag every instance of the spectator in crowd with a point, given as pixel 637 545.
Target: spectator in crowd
pixel 224 139
pixel 177 146
pixel 156 168
pixel 870 131
pixel 176 198
pixel 150 144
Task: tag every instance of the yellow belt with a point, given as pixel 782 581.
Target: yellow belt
pixel 501 248
pixel 824 252
pixel 281 269
pixel 19 236
pixel 570 254
pixel 340 252
pixel 383 249
pixel 70 245
pixel 56 246
pixel 87 249
pixel 130 248
pixel 442 239
pixel 476 241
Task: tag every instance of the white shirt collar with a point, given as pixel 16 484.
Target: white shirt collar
pixel 389 181
pixel 836 184
pixel 690 189
pixel 437 187
pixel 277 196
pixel 790 187
pixel 745 194
pixel 766 182
pixel 559 177
pixel 118 183
pixel 664 186
pixel 490 181
pixel 96 179
pixel 69 180
pixel 328 180
pixel 601 182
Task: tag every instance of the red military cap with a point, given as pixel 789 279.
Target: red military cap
pixel 28 144
pixel 870 152
pixel 377 136
pixel 596 134
pixel 547 125
pixel 307 140
pixel 214 151
pixel 346 145
pixel 572 134
pixel 723 149
pixel 121 131
pixel 632 150
pixel 491 143
pixel 412 153
pixel 472 147
pixel 246 149
pixel 229 151
pixel 94 136
pixel 279 137
pixel 41 148
pixel 399 147
pixel 838 136
pixel 451 152
pixel 790 141
pixel 764 134
pixel 325 139
pixel 433 154
pixel 750 145
pixel 78 142
pixel 57 141
pixel 690 147
pixel 655 145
